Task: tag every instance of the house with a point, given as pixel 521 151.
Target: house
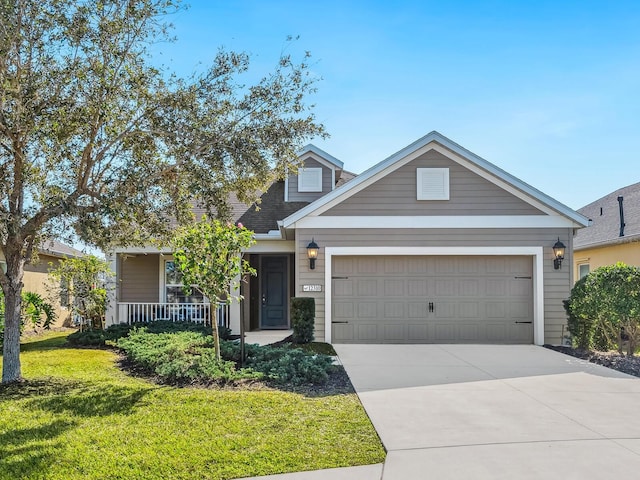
pixel 613 234
pixel 432 245
pixel 37 280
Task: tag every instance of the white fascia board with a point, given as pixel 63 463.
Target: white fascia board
pixel 142 250
pixel 536 252
pixel 469 221
pixel 272 235
pixel 484 168
pixel 321 153
pixel 269 246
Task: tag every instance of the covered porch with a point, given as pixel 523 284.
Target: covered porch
pixel 147 287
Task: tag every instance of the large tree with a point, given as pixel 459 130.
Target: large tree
pixel 97 141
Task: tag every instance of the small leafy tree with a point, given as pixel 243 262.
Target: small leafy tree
pixel 209 255
pixel 82 280
pixel 605 306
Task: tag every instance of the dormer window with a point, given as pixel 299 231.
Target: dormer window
pixel 310 180
pixel 432 183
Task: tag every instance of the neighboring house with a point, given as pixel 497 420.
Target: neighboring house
pixel 613 233
pixel 37 279
pixel 432 245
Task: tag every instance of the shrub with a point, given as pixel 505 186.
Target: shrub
pixel 303 311
pixel 189 357
pixel 180 357
pixel 115 332
pixel 604 308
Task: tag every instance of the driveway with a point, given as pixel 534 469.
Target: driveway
pixel 496 412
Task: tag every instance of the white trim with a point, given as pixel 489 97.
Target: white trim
pixel 272 235
pixel 286 187
pixel 310 148
pixel 333 179
pixel 283 246
pixel 456 153
pixel 436 221
pixel 142 250
pixel 538 273
pixel 111 314
pixel 313 173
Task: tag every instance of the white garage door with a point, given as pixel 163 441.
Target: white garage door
pixel 432 299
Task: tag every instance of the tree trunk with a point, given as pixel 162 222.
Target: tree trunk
pixel 12 288
pixel 213 308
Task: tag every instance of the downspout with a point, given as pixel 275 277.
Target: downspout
pixel 622 224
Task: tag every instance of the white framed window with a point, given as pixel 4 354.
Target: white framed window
pixel 583 270
pixel 432 183
pixel 309 179
pixel 173 291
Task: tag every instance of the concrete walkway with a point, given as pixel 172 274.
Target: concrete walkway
pixel 266 337
pixel 495 412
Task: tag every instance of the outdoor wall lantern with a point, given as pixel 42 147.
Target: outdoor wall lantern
pixel 558 252
pixel 312 253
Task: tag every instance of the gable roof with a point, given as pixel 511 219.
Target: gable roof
pixel 491 172
pixel 311 148
pixel 604 214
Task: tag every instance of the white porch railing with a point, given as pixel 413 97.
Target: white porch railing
pixel 135 312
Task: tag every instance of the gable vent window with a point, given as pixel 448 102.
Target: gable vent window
pixel 309 179
pixel 433 183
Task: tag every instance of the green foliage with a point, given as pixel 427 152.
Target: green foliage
pixel 180 357
pixel 77 416
pixel 115 332
pixel 189 357
pixel 82 280
pixel 209 255
pixel 106 146
pixel 604 308
pixel 36 313
pixel 303 312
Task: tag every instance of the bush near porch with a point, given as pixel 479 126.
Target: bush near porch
pixel 78 416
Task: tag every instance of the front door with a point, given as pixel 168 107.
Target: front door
pixel 273 292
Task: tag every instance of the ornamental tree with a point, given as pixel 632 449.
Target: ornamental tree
pixel 83 281
pixel 210 255
pixel 99 144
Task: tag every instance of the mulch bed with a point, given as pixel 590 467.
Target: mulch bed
pixel 613 360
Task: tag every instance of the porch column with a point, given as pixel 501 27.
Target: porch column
pixel 234 312
pixel 111 316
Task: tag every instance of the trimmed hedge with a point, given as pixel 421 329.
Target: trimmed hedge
pixel 303 312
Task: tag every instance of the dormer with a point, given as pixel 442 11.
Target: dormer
pixel 317 175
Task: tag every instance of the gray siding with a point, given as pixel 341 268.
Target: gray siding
pixel 557 283
pixel 139 278
pixel 295 196
pixel 470 194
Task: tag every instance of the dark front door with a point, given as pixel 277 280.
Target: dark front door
pixel 273 292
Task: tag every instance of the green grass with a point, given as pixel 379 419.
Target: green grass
pixel 80 417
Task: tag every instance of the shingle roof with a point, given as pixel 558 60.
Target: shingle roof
pixel 58 249
pixel 272 208
pixel 605 216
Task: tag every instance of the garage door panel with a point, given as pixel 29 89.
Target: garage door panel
pixel 394 288
pixel 395 332
pixel 367 310
pixel 367 288
pixel 366 332
pixel 432 299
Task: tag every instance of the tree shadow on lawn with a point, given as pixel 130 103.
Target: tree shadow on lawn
pixel 28 452
pixel 78 399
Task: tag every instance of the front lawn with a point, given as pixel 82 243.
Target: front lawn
pixel 80 416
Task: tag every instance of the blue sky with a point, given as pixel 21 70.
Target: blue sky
pixel 549 91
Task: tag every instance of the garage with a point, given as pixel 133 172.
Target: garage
pixel 432 299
